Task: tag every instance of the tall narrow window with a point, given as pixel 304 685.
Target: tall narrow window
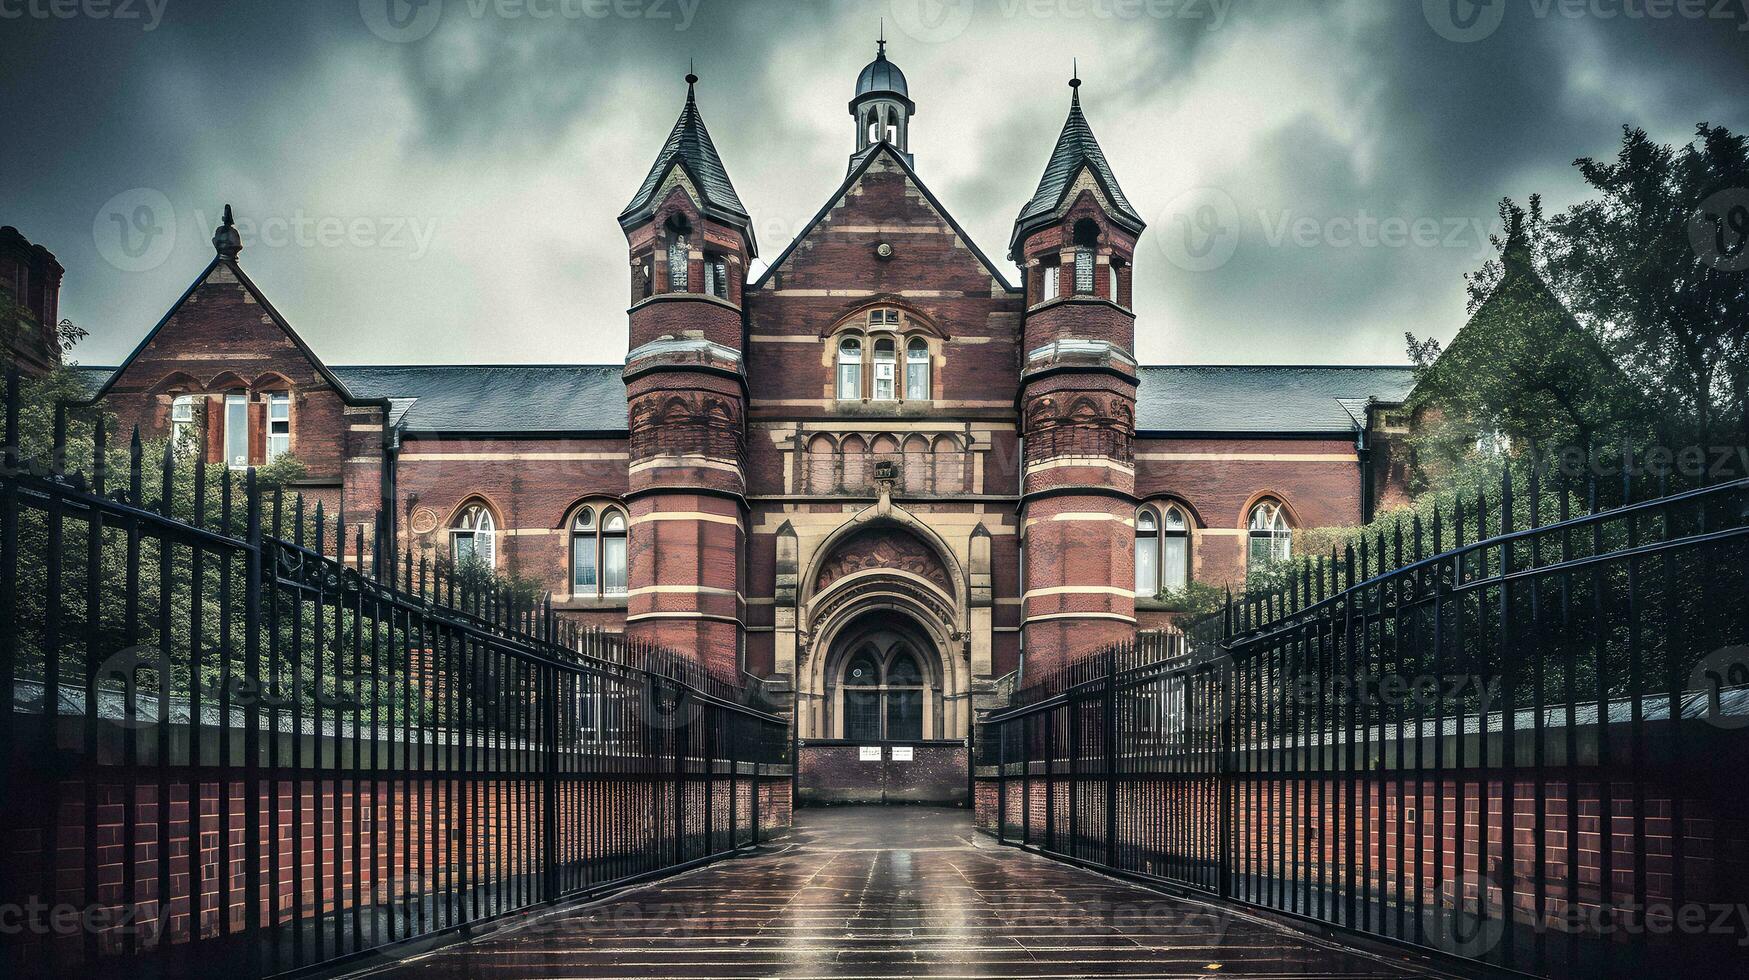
pixel 473 536
pixel 678 253
pixel 862 698
pixel 278 424
pixel 184 433
pixel 1271 540
pixel 716 276
pixel 917 370
pixel 1049 281
pixel 1175 541
pixel 1147 553
pixel 613 553
pixel 904 691
pixel 850 369
pixel 1084 269
pixel 237 431
pixel 885 365
pixel 584 580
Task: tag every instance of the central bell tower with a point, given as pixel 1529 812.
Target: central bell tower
pixel 882 108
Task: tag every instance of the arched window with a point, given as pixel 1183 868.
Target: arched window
pixel 1271 540
pixel 585 566
pixel 473 536
pixel 904 694
pixel 598 552
pixel 884 701
pixel 862 697
pixel 1175 544
pixel 885 365
pixel 184 432
pixel 917 370
pixel 850 368
pixel 1147 553
pixel 679 252
pixel 613 553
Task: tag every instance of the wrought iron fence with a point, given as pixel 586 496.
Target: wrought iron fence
pixel 1521 744
pixel 238 742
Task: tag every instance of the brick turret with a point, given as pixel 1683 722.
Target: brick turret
pixel 690 241
pixel 1075 240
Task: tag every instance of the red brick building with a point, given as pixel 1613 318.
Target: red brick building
pixel 30 292
pixel 880 475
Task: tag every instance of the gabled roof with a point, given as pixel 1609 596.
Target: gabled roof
pixel 260 299
pixel 689 147
pixel 916 181
pixel 1261 399
pixel 1076 149
pixel 497 398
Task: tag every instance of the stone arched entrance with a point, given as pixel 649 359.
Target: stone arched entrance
pixel 883 679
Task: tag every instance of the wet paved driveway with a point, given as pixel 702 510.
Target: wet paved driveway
pixel 895 892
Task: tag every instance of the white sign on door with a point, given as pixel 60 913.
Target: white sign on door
pixel 871 753
pixel 902 753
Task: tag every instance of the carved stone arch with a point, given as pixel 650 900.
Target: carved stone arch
pixel 272 381
pixel 1251 502
pixel 900 518
pixel 1085 410
pixel 177 383
pixel 227 381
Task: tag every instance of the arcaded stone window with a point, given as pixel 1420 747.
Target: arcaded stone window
pixel 850 368
pixel 883 701
pixel 1270 538
pixel 885 369
pixel 473 536
pixel 917 370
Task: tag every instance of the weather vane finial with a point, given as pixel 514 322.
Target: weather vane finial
pixel 691 76
pixel 882 40
pixel 1075 73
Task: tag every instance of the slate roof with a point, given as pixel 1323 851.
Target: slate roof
pixel 1249 399
pixel 690 144
pixel 497 398
pixel 881 75
pixel 1075 148
pixel 552 398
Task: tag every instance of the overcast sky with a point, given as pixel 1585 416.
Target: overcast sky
pixel 437 181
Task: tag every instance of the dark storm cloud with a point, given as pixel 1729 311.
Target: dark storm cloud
pixel 438 180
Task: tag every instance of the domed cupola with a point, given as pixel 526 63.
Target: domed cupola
pixel 882 107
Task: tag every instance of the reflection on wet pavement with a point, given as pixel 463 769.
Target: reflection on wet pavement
pixel 896 892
